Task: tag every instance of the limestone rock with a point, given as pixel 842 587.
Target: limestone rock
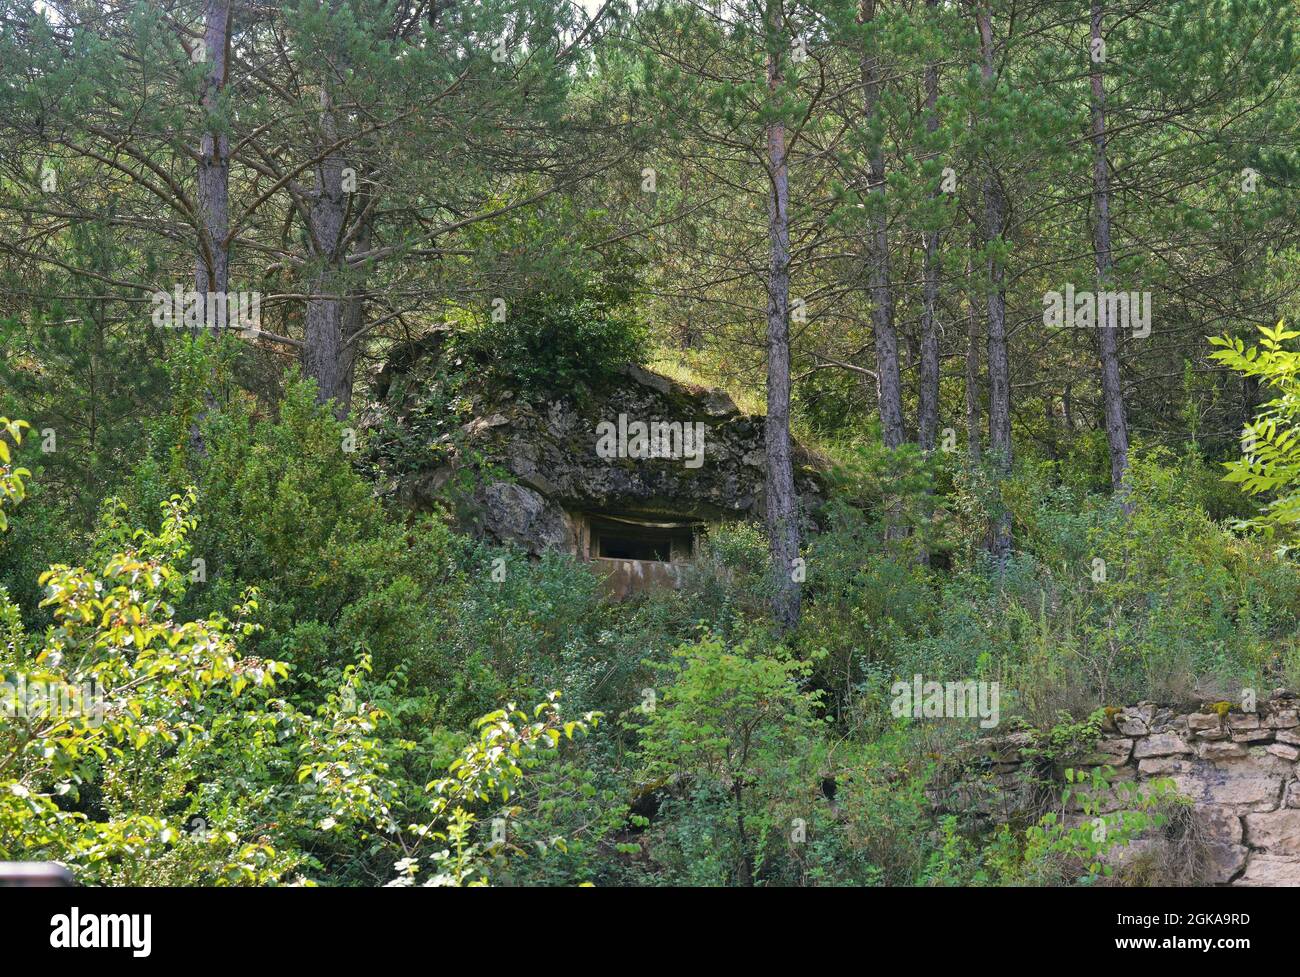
pixel 1245 791
pixel 1258 735
pixel 1160 744
pixel 1225 862
pixel 1109 752
pixel 1163 766
pixel 518 514
pixel 480 424
pixel 1003 749
pixel 1221 824
pixel 1240 787
pixel 1220 750
pixel 1285 719
pixel 1270 870
pixel 1165 720
pixel 1146 711
pixel 1293 794
pixel 1265 761
pixel 1275 832
pixel 1136 720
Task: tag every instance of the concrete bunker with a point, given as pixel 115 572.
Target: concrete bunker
pixel 636 552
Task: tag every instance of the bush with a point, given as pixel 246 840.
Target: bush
pixel 565 338
pixel 284 508
pixel 735 739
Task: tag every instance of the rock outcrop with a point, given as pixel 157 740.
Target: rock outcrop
pixel 534 458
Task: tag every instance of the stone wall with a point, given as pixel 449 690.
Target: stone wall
pixel 1238 768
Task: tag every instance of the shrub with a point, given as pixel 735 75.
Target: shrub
pixel 86 774
pixel 737 737
pixel 283 507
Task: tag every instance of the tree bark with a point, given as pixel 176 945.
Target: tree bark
pixel 928 408
pixel 1049 422
pixel 746 865
pixel 212 259
pixel 974 432
pixel 212 263
pixel 998 367
pixel 782 506
pixel 323 351
pixel 889 387
pixel 354 313
pixel 1112 390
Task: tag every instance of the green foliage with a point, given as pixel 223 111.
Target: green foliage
pixel 119 677
pixel 1089 846
pixel 1270 462
pixel 81 371
pixel 542 198
pixel 150 752
pixel 1102 607
pixel 283 506
pixel 547 342
pixel 489 776
pixel 730 583
pixel 737 736
pixel 12 490
pixel 883 817
pixel 722 779
pixel 508 625
pixel 558 314
pixel 869 606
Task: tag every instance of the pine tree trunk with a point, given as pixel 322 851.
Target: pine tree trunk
pixel 1112 390
pixel 212 263
pixel 974 432
pixel 354 316
pixel 323 351
pixel 782 522
pixel 212 260
pixel 889 386
pixel 928 409
pixel 998 367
